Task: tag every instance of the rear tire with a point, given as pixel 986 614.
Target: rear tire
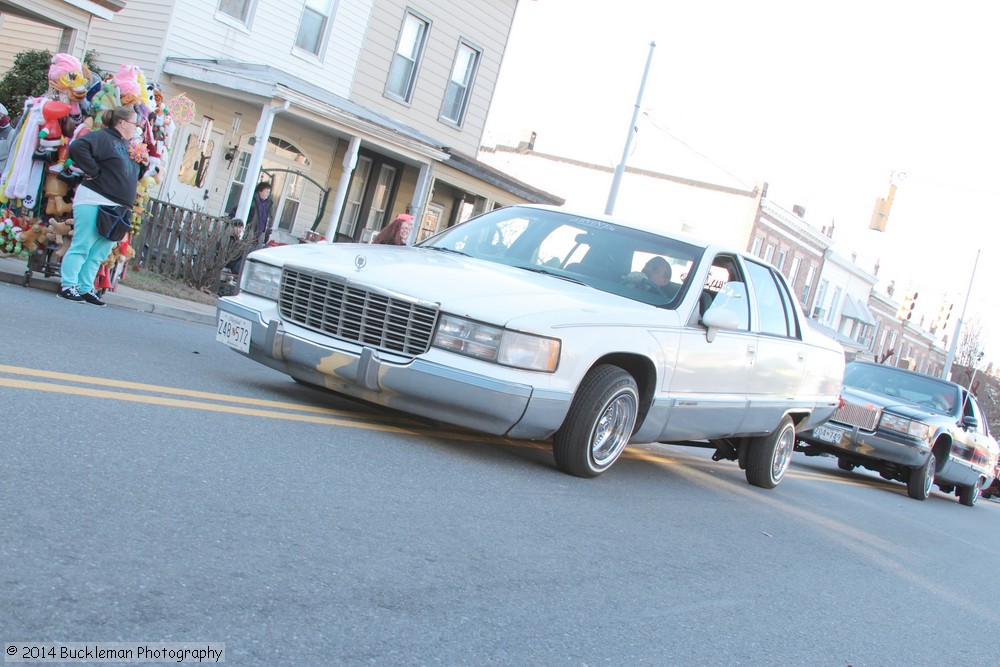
pixel 769 456
pixel 920 481
pixel 844 464
pixel 968 495
pixel 599 423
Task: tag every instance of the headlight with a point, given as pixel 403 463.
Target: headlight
pixel 490 343
pixel 262 279
pixel 909 427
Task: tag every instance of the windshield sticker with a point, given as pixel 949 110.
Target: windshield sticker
pixel 592 224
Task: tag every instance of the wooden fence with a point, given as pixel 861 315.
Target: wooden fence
pixel 187 245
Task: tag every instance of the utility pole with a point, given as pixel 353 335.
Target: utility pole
pixel 620 170
pixel 946 372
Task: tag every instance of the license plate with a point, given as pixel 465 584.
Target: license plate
pixel 827 434
pixel 234 331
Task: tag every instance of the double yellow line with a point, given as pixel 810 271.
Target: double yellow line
pixel 122 390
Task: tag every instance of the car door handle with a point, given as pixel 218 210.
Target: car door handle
pixel 751 351
pixel 802 357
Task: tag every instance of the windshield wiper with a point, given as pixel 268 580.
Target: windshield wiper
pixel 443 249
pixel 544 271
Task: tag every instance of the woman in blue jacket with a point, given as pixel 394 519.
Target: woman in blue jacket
pixel 110 178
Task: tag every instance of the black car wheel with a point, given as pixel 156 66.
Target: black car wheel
pixel 968 495
pixel 921 479
pixel 769 456
pixel 844 464
pixel 599 423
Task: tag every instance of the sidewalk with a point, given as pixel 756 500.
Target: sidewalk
pixel 13 269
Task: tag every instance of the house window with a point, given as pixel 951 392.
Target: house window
pixel 818 310
pixel 406 60
pixel 780 264
pixel 241 10
pixel 456 97
pixel 809 281
pixel 236 187
pixel 758 243
pixel 793 273
pixel 769 252
pixel 313 26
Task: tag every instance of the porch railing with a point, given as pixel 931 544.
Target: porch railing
pixel 189 246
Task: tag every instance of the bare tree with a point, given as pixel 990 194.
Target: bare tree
pixel 970 347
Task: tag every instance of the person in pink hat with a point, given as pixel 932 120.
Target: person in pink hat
pixel 396 232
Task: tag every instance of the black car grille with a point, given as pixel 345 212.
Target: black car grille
pixel 331 305
pixel 863 416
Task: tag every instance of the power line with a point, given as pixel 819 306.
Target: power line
pixel 656 125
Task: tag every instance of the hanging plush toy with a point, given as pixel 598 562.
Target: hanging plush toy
pixel 105 98
pixel 127 80
pixel 50 136
pixel 70 78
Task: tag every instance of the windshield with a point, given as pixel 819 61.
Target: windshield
pixel 922 390
pixel 607 256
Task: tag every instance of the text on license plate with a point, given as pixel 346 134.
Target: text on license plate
pixel 827 434
pixel 234 331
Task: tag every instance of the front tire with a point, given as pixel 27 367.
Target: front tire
pixel 599 424
pixel 918 484
pixel 968 495
pixel 769 456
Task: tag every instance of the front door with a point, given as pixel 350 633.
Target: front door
pixel 370 197
pixel 198 152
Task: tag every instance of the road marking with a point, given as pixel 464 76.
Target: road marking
pixel 191 393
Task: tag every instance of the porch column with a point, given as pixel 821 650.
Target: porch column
pixel 350 161
pixel 261 136
pixel 420 193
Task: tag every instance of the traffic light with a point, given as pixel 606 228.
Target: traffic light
pixel 905 311
pixel 941 321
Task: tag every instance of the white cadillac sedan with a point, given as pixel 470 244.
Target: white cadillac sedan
pixel 532 322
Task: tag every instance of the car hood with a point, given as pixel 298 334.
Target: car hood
pixel 893 404
pixel 465 286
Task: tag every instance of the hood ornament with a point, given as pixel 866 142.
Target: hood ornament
pixel 360 262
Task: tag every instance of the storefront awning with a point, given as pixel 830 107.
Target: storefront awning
pixel 856 309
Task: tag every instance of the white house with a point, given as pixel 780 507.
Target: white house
pixel 355 110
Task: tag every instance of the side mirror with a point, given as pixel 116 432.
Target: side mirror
pixel 719 318
pixel 970 422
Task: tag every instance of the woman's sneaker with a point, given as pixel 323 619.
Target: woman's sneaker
pixel 70 294
pixel 92 298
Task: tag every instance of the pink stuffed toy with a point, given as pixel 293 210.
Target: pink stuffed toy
pixel 127 80
pixel 69 76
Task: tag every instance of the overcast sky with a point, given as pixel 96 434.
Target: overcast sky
pixel 823 101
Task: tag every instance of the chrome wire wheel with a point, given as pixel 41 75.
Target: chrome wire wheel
pixel 599 424
pixel 783 453
pixel 613 428
pixel 769 456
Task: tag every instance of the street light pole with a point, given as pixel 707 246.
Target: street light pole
pixel 620 170
pixel 946 372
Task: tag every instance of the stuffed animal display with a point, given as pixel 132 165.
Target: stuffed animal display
pixel 39 181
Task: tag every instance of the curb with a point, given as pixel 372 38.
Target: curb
pixel 40 282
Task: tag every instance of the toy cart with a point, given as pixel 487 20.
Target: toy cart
pixel 43 261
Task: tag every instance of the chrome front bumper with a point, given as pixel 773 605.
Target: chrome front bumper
pixel 415 386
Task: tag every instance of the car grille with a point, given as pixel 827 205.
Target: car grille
pixel 331 305
pixel 863 416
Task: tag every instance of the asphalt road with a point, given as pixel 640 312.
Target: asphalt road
pixel 155 486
